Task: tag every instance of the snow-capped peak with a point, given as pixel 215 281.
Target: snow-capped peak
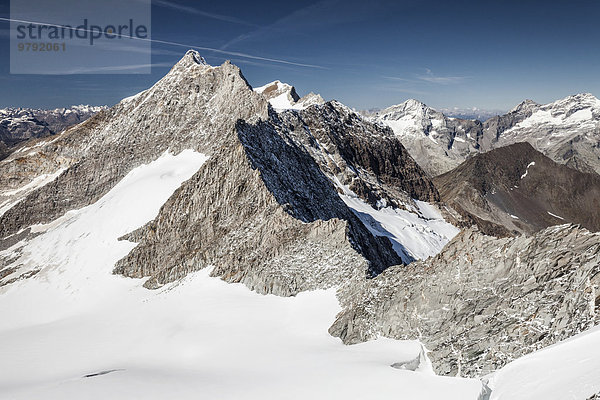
pixel 413 108
pixel 283 96
pixel 195 56
pixel 579 101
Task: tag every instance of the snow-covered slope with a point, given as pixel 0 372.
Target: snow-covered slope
pixel 77 331
pixel 569 370
pixel 416 233
pixel 198 178
pixel 483 302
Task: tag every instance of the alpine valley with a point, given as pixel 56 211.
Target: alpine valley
pixel 207 239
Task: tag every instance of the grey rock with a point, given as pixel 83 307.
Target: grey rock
pixel 482 301
pixel 259 211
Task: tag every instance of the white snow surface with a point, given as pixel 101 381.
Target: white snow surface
pixel 198 338
pixel 418 234
pixel 569 370
pixel 282 102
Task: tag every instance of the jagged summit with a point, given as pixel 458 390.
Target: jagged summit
pixel 283 96
pixel 263 232
pixel 524 106
pixel 565 130
pixel 194 56
pixel 436 142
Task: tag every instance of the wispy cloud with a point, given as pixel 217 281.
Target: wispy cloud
pixel 192 10
pixel 430 77
pixel 113 68
pixel 305 20
pixel 396 78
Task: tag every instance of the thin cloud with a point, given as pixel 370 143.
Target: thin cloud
pixel 396 78
pixel 441 80
pixel 188 46
pixel 114 68
pixel 195 11
pixel 306 19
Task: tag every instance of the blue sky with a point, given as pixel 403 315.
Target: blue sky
pixel 489 55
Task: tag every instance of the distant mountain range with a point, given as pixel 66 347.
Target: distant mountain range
pixel 567 131
pixel 20 124
pixel 453 112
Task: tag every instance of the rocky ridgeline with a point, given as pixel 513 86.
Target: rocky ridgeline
pixel 360 155
pixel 482 301
pixel 260 211
pixel 192 107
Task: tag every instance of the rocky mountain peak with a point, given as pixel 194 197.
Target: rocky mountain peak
pixel 283 96
pixel 194 56
pixel 276 88
pixel 576 102
pixel 410 107
pixel 525 106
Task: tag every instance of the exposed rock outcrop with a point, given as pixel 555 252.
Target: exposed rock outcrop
pixel 260 212
pixel 482 301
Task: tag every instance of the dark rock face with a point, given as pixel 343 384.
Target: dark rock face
pixel 366 157
pixel 520 189
pixel 483 301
